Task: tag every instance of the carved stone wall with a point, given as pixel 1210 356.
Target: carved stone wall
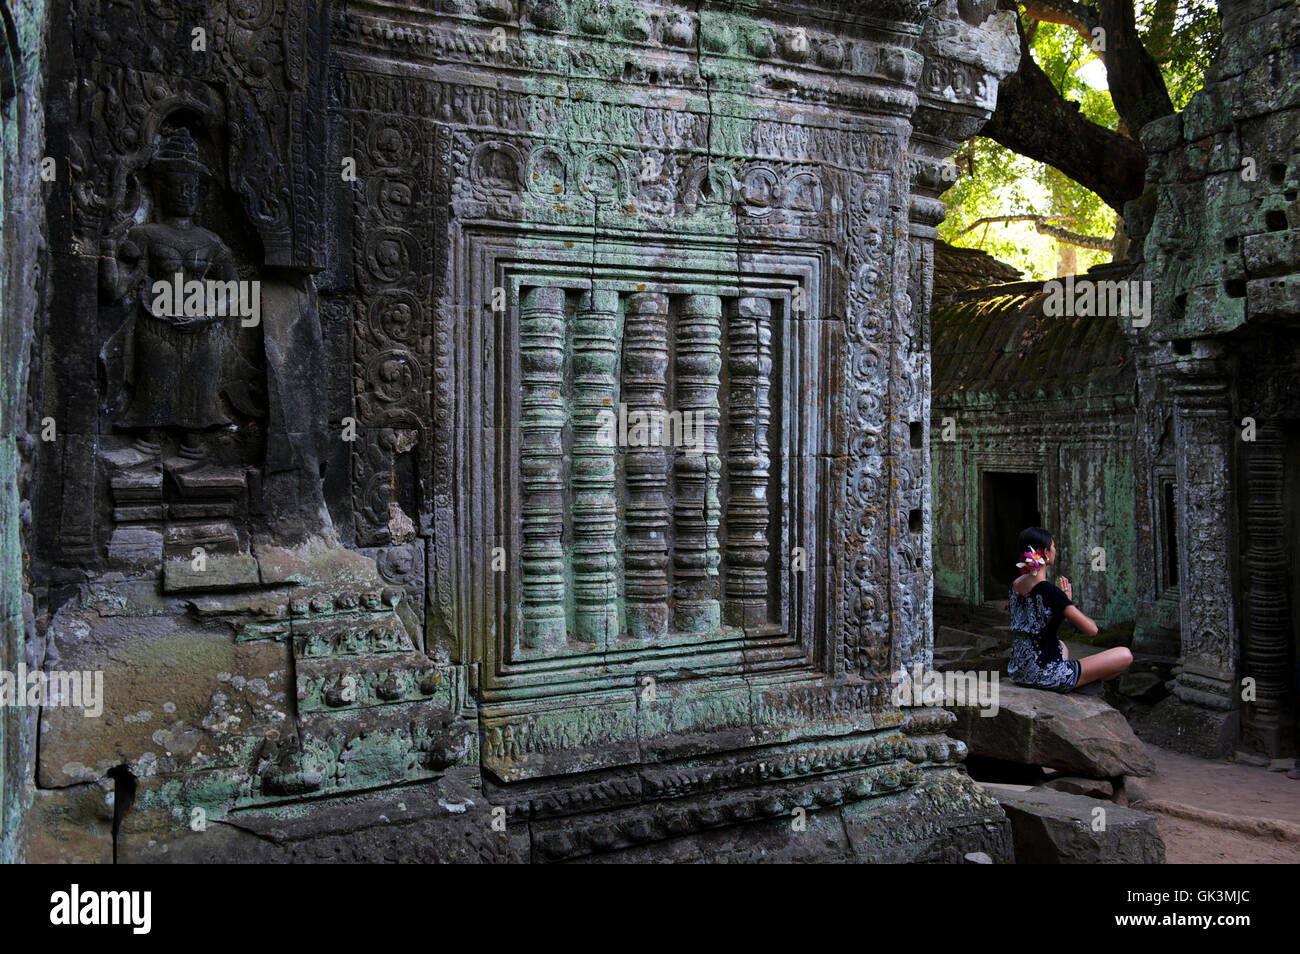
pixel 22 130
pixel 494 240
pixel 234 96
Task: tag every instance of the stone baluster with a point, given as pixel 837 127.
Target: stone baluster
pixel 697 467
pixel 749 364
pixel 1264 650
pixel 645 369
pixel 542 417
pixel 595 351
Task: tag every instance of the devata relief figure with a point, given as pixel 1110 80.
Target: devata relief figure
pixel 173 350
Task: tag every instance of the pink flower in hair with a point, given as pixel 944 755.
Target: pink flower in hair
pixel 1034 561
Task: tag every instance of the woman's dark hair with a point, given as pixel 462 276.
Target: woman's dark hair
pixel 1035 537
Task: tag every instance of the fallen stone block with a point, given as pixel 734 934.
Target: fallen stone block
pixel 1051 827
pixel 1080 735
pixel 1132 790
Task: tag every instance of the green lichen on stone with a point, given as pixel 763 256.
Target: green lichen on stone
pixel 22 136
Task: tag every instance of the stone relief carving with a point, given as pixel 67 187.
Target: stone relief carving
pixel 173 353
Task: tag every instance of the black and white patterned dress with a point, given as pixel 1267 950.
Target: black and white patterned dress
pixel 1036 658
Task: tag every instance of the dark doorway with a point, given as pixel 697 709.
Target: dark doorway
pixel 1010 503
pixel 1170 561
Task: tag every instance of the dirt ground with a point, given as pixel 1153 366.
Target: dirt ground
pixel 1191 843
pixel 1230 788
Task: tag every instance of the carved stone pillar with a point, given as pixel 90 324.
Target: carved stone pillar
pixel 697 511
pixel 595 588
pixel 966 54
pixel 541 347
pixel 1265 639
pixel 1205 437
pixel 749 360
pixel 645 369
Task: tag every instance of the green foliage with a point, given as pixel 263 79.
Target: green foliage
pixel 1182 36
pixel 995 181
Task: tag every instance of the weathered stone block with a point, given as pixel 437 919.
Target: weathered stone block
pixel 177 695
pixel 444 822
pixel 136 546
pixel 1077 734
pixel 1163 134
pixel 217 573
pixel 70 826
pixel 1089 787
pixel 1059 828
pixel 1271 252
pixel 1274 297
pixel 893 830
pixel 1189 728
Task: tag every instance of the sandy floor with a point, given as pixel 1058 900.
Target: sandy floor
pixel 1224 786
pixel 1191 843
pixel 1227 787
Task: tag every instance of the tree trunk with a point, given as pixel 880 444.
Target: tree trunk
pixel 1136 86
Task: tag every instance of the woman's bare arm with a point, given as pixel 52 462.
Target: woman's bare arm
pixel 1080 622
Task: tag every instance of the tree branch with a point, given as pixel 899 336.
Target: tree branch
pixel 994 219
pixel 1042 227
pixel 1079 18
pixel 1160 35
pixel 1075 238
pixel 1034 120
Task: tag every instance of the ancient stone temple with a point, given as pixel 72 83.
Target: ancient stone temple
pixel 485 429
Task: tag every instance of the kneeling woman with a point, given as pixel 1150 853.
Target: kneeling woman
pixel 1038 658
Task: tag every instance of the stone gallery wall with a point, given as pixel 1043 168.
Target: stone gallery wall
pixel 373 539
pixel 1219 406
